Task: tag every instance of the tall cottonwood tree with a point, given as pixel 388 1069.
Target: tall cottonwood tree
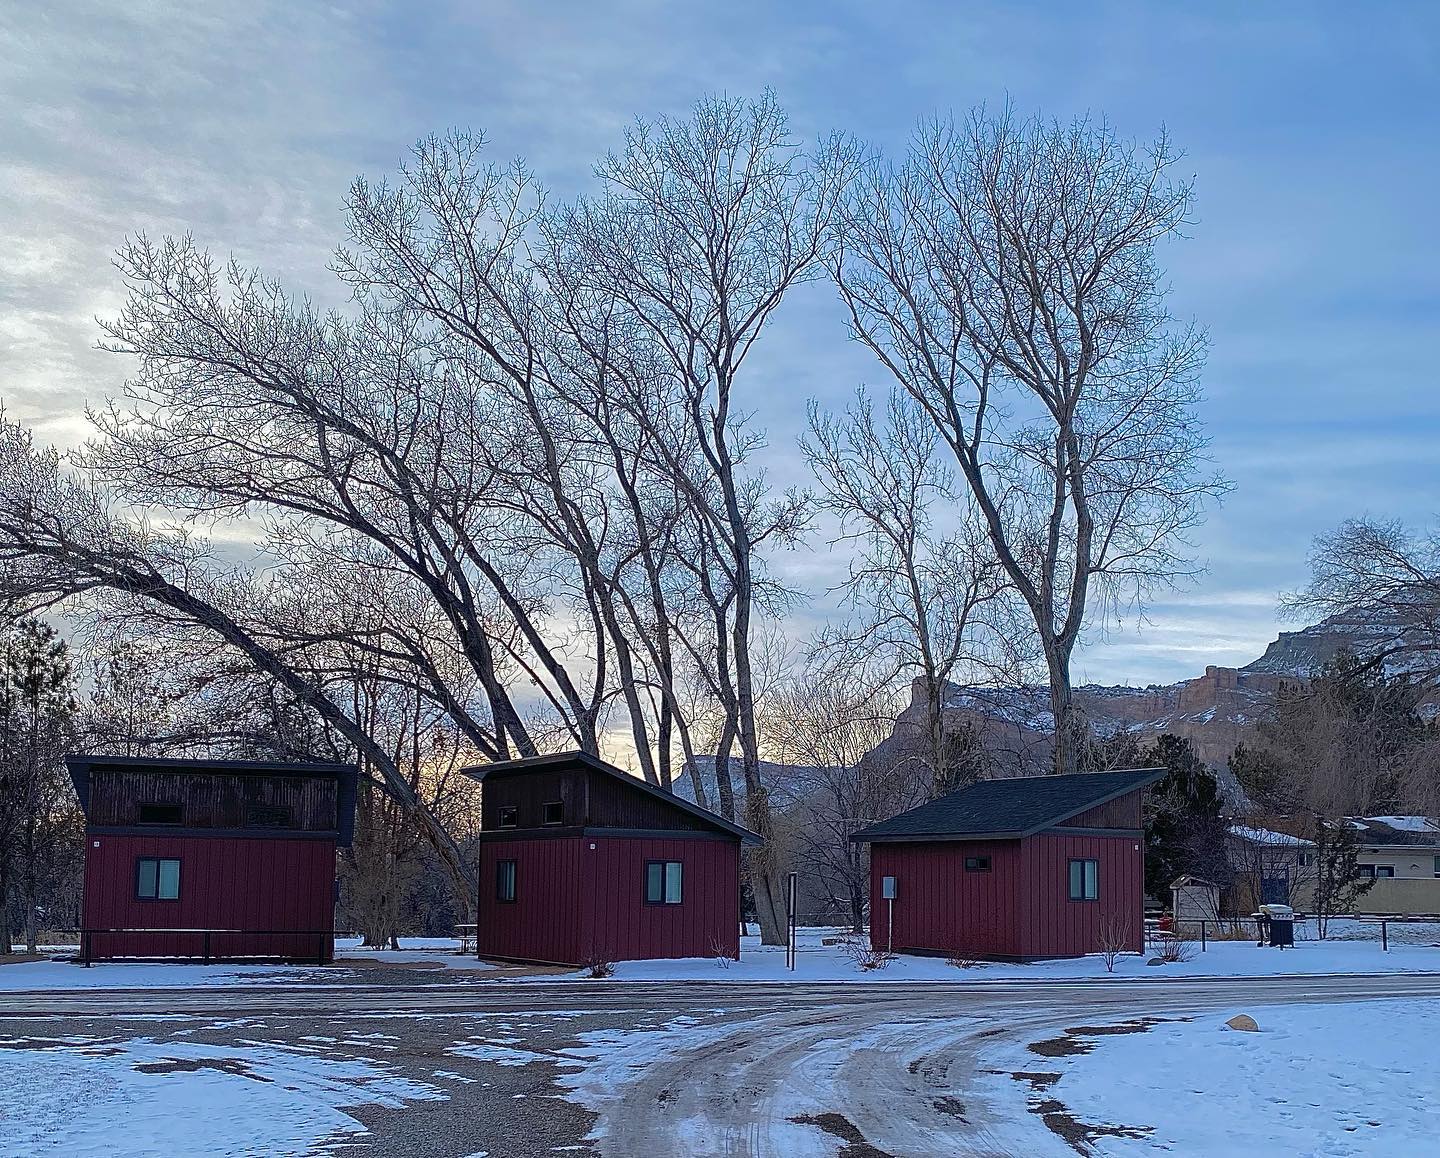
pixel 62 539
pixel 1005 274
pixel 846 767
pixel 702 228
pixel 528 424
pixel 930 599
pixel 1387 574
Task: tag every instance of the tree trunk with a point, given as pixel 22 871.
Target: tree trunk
pixel 769 893
pixel 6 940
pixel 1071 729
pixel 30 888
pixel 940 781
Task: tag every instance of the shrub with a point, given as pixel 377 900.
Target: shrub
pixel 866 957
pixel 1176 949
pixel 598 967
pixel 1111 939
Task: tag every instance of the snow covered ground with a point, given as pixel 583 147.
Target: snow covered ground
pixel 1330 1080
pixel 436 951
pixel 413 951
pixel 1413 949
pixel 71 1095
pixel 141 975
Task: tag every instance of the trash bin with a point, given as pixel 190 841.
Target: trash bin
pixel 1277 926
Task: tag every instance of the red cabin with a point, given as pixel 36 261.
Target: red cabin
pixel 580 862
pixel 212 860
pixel 1014 869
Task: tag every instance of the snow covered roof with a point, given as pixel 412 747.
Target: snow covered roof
pixel 1398 831
pixel 1408 823
pixel 1265 836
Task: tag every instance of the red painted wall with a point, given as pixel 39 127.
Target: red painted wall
pixel 581 897
pixel 941 908
pixel 1055 926
pixel 543 922
pixel 239 883
pixel 620 926
pixel 1021 908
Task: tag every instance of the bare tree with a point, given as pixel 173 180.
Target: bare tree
pixel 1389 575
pixel 1005 275
pixel 930 599
pixel 60 539
pixel 703 226
pixel 845 769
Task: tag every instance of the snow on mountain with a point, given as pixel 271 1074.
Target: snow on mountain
pixel 1214 711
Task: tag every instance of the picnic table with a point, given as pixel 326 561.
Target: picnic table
pixel 466 933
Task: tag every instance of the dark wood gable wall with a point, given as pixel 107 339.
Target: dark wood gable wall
pixel 1122 812
pixel 529 793
pixel 615 804
pixel 214 799
pixel 589 799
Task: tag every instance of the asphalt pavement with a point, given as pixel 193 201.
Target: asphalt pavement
pixel 892 1068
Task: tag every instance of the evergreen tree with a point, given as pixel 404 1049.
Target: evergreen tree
pixel 1184 832
pixel 1338 883
pixel 39 843
pixel 1265 779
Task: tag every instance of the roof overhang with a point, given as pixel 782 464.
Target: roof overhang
pixel 1138 783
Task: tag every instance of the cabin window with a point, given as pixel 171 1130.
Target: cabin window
pixel 505 881
pixel 552 812
pixel 160 814
pixel 1084 880
pixel 157 879
pixel 267 816
pixel 977 864
pixel 663 882
pixel 509 816
pixel 1371 872
pixel 1437 866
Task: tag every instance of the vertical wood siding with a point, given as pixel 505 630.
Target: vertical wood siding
pixel 574 902
pixel 530 792
pixel 1054 925
pixel 1021 908
pixel 615 804
pixel 230 883
pixel 1122 812
pixel 620 926
pixel 941 908
pixel 543 922
pixel 211 799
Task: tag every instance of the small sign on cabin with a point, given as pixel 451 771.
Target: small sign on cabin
pixel 887 888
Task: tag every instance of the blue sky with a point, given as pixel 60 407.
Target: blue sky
pixel 1311 129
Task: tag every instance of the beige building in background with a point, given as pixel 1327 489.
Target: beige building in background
pixel 1400 853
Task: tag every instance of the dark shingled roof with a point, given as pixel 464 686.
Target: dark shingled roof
pixel 557 760
pixel 1010 808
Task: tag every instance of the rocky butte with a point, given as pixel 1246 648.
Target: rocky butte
pixel 1214 711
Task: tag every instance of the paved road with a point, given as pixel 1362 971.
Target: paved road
pixel 880 1069
pixel 683 996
